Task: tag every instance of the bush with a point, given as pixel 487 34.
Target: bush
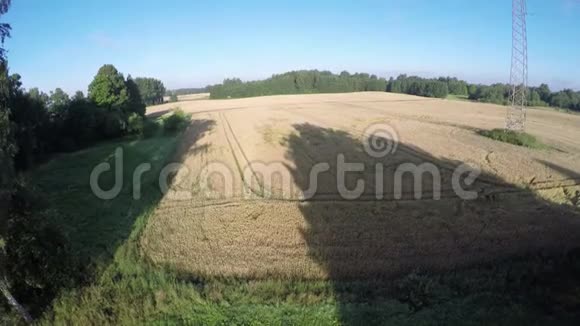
pixel 175 122
pixel 150 128
pixel 66 145
pixel 113 125
pixel 38 257
pixel 80 125
pixel 513 137
pixel 173 97
pixel 135 124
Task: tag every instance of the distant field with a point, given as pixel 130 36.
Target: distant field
pixel 189 97
pixel 193 97
pixel 277 234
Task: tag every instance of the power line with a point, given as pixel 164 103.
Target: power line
pixel 516 113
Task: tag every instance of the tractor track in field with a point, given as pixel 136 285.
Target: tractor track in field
pixel 495 188
pixel 421 119
pixel 408 196
pixel 247 183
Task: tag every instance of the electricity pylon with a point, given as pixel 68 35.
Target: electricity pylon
pixel 516 113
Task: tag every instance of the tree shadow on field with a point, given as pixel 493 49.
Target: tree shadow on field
pixel 189 141
pixel 447 260
pixel 96 228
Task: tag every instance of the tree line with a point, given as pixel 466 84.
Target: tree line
pixel 48 123
pixel 421 86
pixel 299 82
pixel 33 126
pixel 152 90
pixel 536 96
pixel 314 81
pixel 35 256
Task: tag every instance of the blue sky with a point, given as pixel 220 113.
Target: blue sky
pixel 193 43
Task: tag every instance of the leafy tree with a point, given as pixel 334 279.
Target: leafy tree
pixel 58 98
pixel 4 28
pixel 471 91
pixel 7 151
pixel 152 90
pixel 135 104
pixel 81 126
pixel 135 124
pixel 108 89
pixel 31 123
pixel 7 148
pixel 534 98
pixel 79 95
pixel 36 94
pixel 544 92
pixel 38 254
pixel 456 87
pixel 57 104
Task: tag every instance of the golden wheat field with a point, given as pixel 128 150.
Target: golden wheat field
pixel 242 202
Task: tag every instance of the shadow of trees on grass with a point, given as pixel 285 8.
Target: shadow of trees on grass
pixel 96 228
pixel 505 256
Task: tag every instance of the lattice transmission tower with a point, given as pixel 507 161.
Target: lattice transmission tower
pixel 516 113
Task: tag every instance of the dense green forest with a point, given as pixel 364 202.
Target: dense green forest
pixel 314 81
pixel 48 123
pixel 537 96
pixel 299 82
pixel 424 87
pixel 495 93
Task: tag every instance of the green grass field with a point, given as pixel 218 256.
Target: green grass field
pixel 127 289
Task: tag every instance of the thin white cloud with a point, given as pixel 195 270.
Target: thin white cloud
pixel 103 40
